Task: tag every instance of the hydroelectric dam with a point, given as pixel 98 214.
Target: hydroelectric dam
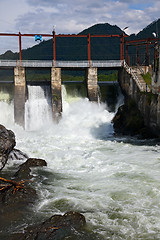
pixel 90 67
pixel 129 75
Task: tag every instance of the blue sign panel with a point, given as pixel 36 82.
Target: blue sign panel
pixel 38 37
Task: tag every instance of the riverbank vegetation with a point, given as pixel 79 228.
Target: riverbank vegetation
pixel 147 78
pixel 30 76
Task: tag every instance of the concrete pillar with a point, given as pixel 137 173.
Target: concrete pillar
pixel 156 76
pixel 91 82
pixel 19 76
pixel 56 92
pixel 158 111
pixel 131 87
pixel 19 95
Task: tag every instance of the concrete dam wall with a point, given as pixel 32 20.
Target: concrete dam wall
pixel 147 102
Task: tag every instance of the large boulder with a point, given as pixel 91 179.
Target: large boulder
pixel 24 170
pixel 16 201
pixel 17 154
pixel 16 209
pixel 7 143
pixel 129 121
pixel 57 227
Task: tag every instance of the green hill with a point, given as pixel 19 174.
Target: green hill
pixel 76 48
pixel 146 33
pixel 102 28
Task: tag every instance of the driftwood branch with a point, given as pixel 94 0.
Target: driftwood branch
pixel 11 184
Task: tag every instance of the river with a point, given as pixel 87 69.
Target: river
pixel 113 181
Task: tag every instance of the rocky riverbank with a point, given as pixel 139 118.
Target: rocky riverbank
pixel 7 143
pixel 18 197
pixel 129 121
pixel 57 227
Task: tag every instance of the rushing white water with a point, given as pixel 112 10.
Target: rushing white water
pixel 114 182
pixel 37 109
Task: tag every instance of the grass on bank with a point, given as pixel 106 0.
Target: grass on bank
pixel 110 77
pixel 47 77
pixel 147 78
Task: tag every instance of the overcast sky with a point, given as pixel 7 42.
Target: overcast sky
pixel 71 16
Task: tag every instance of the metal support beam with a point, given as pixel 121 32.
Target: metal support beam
pixel 89 47
pixel 122 48
pixel 54 36
pixel 137 55
pixel 147 56
pixel 20 48
pixel 54 48
pixel 127 56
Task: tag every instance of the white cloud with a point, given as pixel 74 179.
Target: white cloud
pixel 69 16
pixel 9 10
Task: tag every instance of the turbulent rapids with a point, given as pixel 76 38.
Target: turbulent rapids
pixel 114 182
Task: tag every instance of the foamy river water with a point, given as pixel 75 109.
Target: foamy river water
pixel 113 181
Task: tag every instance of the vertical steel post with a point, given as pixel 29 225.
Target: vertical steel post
pixel 54 47
pixel 147 55
pixel 127 57
pixel 137 55
pixel 122 47
pixel 89 48
pixel 20 48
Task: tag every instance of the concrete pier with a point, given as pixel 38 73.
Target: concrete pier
pixel 56 92
pixel 156 76
pixel 19 95
pixel 148 103
pixel 19 76
pixel 91 83
pixel 158 111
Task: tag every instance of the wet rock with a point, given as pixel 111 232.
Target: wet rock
pixel 7 143
pixel 57 227
pixel 35 162
pixel 129 121
pixel 23 173
pixel 16 200
pixel 16 154
pixel 16 196
pixel 15 205
pixel 25 168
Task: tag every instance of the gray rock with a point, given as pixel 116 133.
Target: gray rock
pixel 16 154
pixel 7 143
pixel 25 168
pixel 57 227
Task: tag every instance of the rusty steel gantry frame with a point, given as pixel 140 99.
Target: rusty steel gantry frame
pixel 54 36
pixel 141 42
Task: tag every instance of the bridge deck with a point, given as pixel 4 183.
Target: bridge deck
pixel 60 64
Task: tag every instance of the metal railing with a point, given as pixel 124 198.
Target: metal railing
pixel 134 76
pixel 36 63
pixel 107 64
pixel 71 64
pixel 6 63
pixel 61 64
pixel 140 68
pixel 25 63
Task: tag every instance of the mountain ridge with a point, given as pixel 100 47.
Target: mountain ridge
pixel 76 48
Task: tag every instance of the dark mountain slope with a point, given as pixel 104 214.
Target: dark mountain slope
pixel 76 48
pixel 102 28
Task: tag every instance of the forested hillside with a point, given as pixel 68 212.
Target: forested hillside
pixel 76 48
